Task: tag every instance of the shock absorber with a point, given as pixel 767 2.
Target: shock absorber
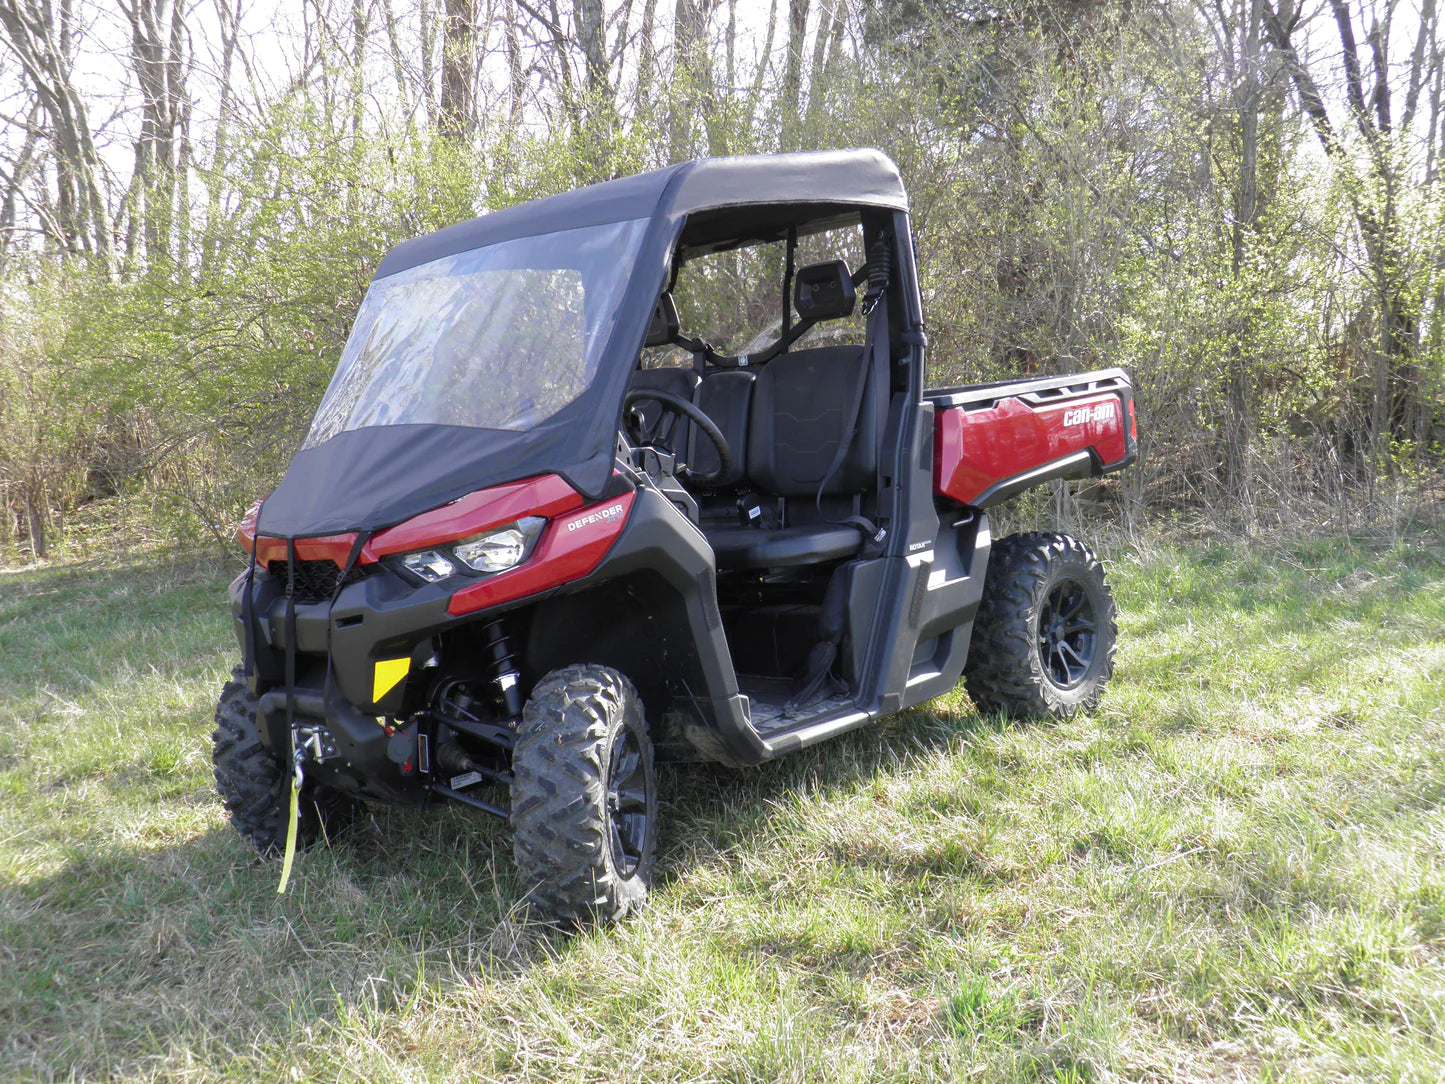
pixel 501 666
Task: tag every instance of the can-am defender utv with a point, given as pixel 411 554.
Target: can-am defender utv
pixel 538 537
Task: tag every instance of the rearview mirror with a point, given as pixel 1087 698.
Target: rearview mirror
pixel 824 291
pixel 664 327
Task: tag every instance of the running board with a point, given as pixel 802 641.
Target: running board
pixel 811 731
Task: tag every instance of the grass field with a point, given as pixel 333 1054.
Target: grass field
pixel 1235 869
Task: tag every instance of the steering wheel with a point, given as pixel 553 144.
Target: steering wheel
pixel 676 404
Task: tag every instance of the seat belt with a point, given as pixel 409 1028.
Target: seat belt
pixel 879 273
pixel 819 664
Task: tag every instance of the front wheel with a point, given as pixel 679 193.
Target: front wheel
pixel 1043 640
pixel 584 796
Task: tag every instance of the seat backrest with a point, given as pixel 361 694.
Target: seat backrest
pixel 802 409
pixel 682 383
pixel 725 396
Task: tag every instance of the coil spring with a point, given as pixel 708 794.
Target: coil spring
pixel 502 667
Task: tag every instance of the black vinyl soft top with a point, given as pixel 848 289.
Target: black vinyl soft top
pixel 363 479
pixel 850 178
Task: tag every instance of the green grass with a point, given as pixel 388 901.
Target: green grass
pixel 1235 869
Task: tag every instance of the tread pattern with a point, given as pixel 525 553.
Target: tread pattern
pixel 1004 672
pixel 253 785
pixel 559 802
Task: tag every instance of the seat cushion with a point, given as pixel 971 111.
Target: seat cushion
pixel 752 547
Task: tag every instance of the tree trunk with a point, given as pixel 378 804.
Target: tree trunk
pixel 358 75
pixel 599 109
pixel 181 134
pixel 398 65
pixel 516 71
pixel 82 220
pixel 456 116
pixel 1395 375
pixel 594 51
pixel 157 48
pixel 817 76
pixel 428 50
pixel 793 74
pixel 228 13
pixel 35 523
pixel 13 186
pixel 1240 376
pixel 646 61
pixel 755 93
pixel 691 73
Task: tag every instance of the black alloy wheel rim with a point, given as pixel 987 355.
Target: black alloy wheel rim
pixel 626 803
pixel 1068 633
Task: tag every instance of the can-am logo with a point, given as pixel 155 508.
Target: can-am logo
pixel 596 517
pixel 1104 412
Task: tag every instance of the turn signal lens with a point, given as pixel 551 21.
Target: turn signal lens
pixel 499 550
pixel 430 565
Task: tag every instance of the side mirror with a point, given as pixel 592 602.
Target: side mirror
pixel 824 291
pixel 664 328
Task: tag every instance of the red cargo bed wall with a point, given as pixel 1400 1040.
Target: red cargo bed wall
pixel 975 450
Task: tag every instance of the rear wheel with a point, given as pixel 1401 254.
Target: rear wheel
pixel 1043 641
pixel 255 785
pixel 584 796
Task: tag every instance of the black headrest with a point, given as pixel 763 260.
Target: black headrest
pixel 665 326
pixel 824 291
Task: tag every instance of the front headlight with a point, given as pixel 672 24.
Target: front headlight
pixel 430 565
pixel 502 548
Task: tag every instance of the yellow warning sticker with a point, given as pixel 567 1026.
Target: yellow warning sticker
pixel 388 675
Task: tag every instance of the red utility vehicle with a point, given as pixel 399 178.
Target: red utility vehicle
pixel 539 537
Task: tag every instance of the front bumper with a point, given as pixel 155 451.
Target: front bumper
pixel 379 618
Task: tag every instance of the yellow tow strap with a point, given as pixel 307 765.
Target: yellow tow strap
pixel 290 834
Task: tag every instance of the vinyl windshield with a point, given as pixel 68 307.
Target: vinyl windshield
pixel 501 337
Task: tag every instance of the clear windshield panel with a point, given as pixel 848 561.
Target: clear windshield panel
pixel 500 337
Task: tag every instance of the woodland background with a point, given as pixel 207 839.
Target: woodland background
pixel 1237 200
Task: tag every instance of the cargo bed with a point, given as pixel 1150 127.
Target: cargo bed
pixel 994 440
